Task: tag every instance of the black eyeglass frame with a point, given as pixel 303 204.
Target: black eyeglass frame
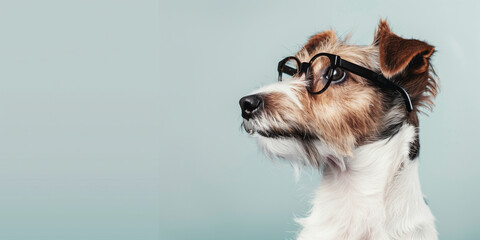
pixel 337 61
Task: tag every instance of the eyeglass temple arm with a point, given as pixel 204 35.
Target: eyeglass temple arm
pixel 378 78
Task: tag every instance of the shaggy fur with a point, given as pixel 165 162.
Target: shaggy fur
pixel 359 135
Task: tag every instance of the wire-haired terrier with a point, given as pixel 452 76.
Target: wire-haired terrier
pixel 351 111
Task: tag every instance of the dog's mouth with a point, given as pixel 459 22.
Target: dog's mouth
pixel 249 128
pixel 252 129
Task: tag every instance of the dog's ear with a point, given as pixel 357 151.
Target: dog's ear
pixel 397 53
pixel 319 39
pixel 407 62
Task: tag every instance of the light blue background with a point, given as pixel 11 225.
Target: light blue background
pixel 120 119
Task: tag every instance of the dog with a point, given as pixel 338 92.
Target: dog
pixel 352 113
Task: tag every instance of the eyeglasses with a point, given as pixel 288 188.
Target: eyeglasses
pixel 325 68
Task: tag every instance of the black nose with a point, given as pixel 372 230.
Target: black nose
pixel 250 105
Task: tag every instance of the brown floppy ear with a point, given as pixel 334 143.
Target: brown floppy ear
pixel 396 53
pixel 320 38
pixel 407 62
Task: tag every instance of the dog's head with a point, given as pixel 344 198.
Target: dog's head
pixel 325 110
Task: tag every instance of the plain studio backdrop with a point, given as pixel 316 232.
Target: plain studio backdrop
pixel 120 119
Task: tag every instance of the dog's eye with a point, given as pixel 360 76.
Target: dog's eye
pixel 338 75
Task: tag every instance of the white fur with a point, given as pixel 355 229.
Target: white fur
pixel 285 148
pixel 377 196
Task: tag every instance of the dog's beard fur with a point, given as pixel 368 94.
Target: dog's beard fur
pixel 305 149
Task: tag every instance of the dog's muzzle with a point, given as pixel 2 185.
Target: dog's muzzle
pixel 251 105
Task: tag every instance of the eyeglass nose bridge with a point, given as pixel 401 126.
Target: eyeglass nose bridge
pixel 304 66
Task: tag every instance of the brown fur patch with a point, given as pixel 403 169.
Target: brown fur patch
pixel 396 53
pixel 319 38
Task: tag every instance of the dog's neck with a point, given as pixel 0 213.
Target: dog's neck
pixel 376 195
